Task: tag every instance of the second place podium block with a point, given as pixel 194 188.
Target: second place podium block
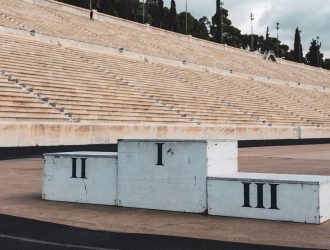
pixel 83 177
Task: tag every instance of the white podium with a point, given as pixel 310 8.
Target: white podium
pixel 171 174
pixel 296 198
pixel 84 177
pixel 195 176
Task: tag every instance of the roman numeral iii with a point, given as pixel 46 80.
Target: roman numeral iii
pixel 260 195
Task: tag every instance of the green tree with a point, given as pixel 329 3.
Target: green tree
pixel 258 42
pixel 181 22
pixel 160 12
pixel 270 44
pixel 106 6
pixel 326 63
pixel 80 3
pixel 267 33
pixel 128 9
pixel 314 56
pixel 204 24
pixel 231 35
pixel 217 22
pixel 152 8
pixel 173 16
pixel 197 28
pixel 298 50
pixel 289 55
pixel 283 50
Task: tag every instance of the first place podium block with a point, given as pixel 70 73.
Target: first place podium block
pixel 82 177
pixel 171 174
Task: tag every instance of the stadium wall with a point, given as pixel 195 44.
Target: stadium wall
pixel 25 134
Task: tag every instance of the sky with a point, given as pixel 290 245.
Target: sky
pixel 311 16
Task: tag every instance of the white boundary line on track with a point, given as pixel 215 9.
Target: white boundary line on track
pixel 51 243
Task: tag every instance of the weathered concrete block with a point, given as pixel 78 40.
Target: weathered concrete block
pixel 84 177
pixel 221 157
pixel 171 174
pixel 296 198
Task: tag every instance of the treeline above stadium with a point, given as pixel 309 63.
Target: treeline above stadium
pixel 216 30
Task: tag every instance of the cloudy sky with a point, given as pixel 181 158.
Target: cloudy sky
pixel 311 16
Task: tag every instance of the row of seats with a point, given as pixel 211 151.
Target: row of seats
pixel 204 95
pixel 94 86
pixel 157 44
pixel 17 104
pixel 77 87
pixel 64 24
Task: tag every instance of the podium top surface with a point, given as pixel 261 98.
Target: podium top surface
pixel 176 140
pixel 273 178
pixel 84 154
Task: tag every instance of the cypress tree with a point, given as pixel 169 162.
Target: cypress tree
pixel 160 12
pixel 216 20
pixel 173 15
pixel 298 51
pixel 267 33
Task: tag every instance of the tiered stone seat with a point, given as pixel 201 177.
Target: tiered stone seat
pixel 96 86
pixel 17 104
pixel 167 88
pixel 30 17
pixel 78 87
pixel 209 97
pixel 16 13
pixel 117 36
pixel 157 44
pixel 262 101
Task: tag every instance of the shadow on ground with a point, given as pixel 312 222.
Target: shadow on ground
pixel 20 233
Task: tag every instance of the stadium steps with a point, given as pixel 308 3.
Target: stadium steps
pixel 126 73
pixel 16 103
pixel 26 15
pixel 143 80
pixel 74 80
pixel 284 104
pixel 122 38
pixel 311 108
pixel 276 109
pixel 9 21
pixel 132 86
pixel 72 26
pixel 101 87
pixel 76 26
pixel 159 97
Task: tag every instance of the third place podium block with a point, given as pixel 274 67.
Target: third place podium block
pixel 171 174
pixel 296 198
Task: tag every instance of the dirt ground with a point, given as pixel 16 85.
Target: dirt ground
pixel 20 195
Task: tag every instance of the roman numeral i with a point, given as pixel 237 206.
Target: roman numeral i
pixel 160 154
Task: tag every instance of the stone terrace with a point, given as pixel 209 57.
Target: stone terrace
pixel 57 90
pixel 48 17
